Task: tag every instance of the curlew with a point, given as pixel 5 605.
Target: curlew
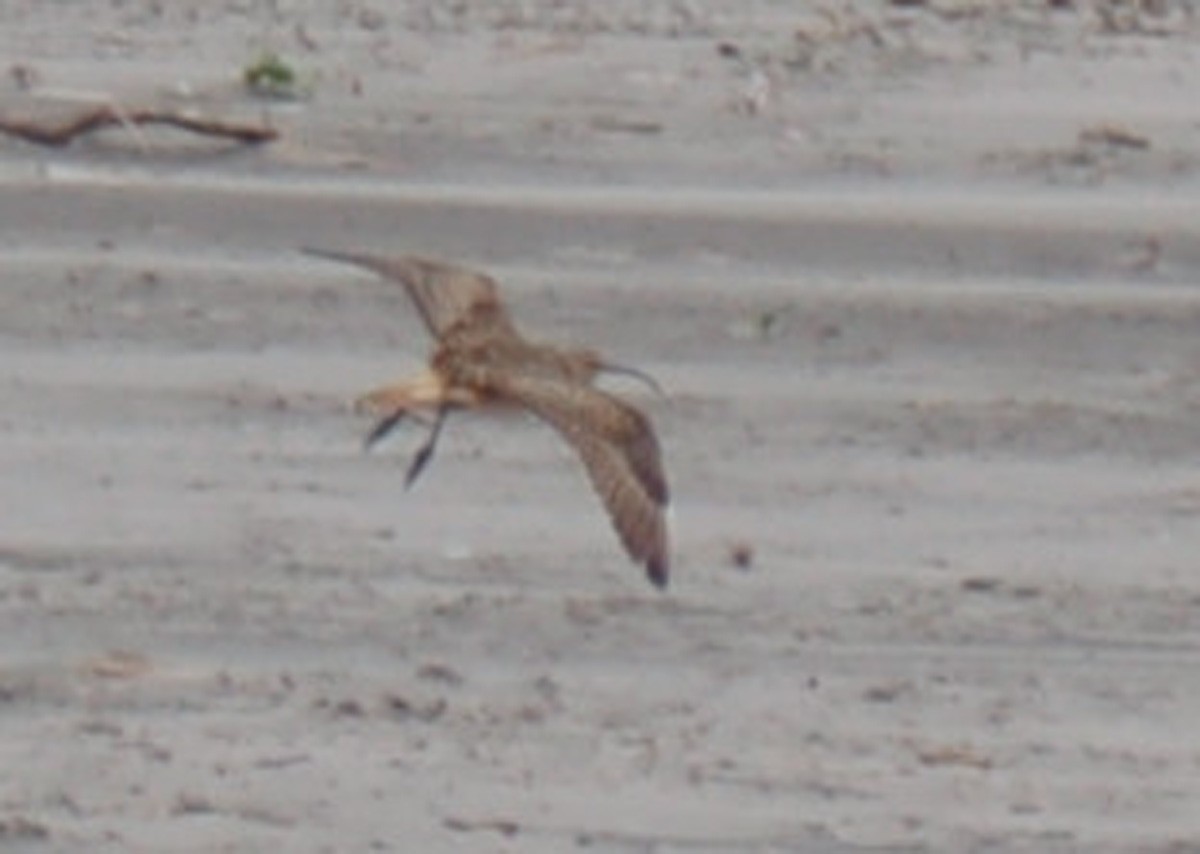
pixel 480 361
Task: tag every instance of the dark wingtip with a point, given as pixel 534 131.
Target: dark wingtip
pixel 657 572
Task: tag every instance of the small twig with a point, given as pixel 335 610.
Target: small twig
pixel 503 826
pixel 96 118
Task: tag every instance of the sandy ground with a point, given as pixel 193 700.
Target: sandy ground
pixel 920 281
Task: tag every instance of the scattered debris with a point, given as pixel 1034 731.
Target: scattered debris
pixel 980 584
pixel 888 692
pixel 348 708
pixel 271 77
pixel 371 20
pixel 406 709
pixel 1026 591
pixel 118 664
pixel 827 331
pixel 304 37
pixel 983 584
pixel 275 762
pixel 549 691
pixel 615 124
pixel 1113 136
pixel 961 755
pixel 94 118
pixel 1142 18
pixel 442 673
pixel 189 803
pixel 741 555
pixel 761 325
pixel 1144 255
pixel 19 827
pixel 503 826
pixel 756 94
pixel 23 76
pixel 102 728
pixel 728 50
pixel 770 320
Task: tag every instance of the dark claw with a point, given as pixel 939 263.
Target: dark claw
pixel 382 428
pixel 425 452
pixel 418 465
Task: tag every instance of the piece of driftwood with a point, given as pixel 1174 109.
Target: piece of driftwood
pixel 59 133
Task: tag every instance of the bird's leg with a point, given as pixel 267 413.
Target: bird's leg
pixel 427 392
pixel 388 399
pixel 425 452
pixel 393 403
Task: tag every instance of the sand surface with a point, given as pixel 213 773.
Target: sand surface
pixel 920 280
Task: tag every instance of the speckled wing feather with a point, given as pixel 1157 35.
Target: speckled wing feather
pixel 445 294
pixel 620 451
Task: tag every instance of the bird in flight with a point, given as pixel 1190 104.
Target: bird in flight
pixel 481 361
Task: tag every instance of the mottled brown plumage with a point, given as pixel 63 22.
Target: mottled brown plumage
pixel 480 360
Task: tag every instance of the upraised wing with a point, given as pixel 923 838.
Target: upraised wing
pixel 445 294
pixel 620 451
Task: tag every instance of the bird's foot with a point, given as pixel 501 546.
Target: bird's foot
pixel 382 428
